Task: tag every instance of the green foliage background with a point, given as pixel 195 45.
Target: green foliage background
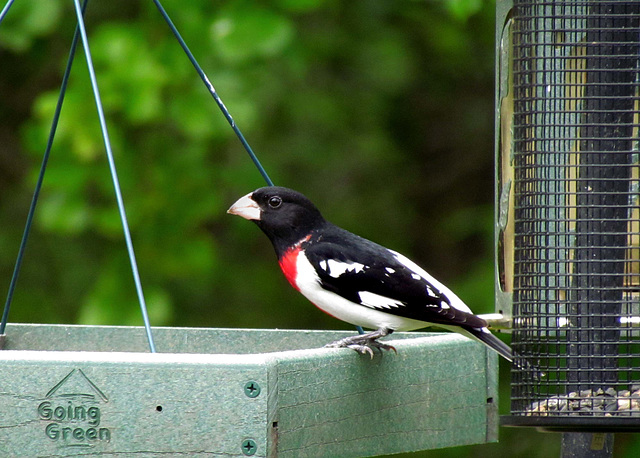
pixel 380 111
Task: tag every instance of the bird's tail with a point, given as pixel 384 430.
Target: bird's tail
pixel 485 336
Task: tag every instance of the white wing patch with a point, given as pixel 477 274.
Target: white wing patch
pixel 377 301
pixel 455 301
pixel 336 268
pixel 310 286
pixel 432 293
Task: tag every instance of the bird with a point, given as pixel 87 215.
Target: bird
pixel 354 279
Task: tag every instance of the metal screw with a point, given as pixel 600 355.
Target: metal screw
pixel 249 447
pixel 252 389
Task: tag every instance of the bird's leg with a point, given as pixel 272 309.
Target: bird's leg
pixel 365 343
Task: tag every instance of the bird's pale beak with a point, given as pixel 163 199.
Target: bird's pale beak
pixel 246 207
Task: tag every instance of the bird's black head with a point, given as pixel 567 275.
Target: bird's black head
pixel 284 215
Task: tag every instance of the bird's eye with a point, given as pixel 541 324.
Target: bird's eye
pixel 275 201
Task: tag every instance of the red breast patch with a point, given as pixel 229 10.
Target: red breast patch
pixel 288 264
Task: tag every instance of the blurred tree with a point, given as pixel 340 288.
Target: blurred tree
pixel 374 98
pixel 380 111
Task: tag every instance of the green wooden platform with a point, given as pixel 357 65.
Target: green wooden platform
pixel 87 390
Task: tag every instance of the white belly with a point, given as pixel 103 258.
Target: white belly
pixel 308 283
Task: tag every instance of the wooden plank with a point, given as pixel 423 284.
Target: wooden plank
pixel 433 394
pixel 135 404
pixel 62 337
pixel 311 401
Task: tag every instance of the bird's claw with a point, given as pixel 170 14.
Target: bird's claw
pixel 364 344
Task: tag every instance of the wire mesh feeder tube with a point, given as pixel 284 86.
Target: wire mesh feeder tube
pixel 576 249
pixel 602 196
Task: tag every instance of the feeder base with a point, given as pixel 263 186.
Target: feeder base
pixel 574 424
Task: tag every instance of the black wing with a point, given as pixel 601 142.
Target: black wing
pixel 369 274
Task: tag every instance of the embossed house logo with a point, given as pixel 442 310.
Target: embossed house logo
pixel 72 412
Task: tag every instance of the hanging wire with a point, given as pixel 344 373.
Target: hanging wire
pixel 45 160
pixel 114 176
pixel 221 105
pixel 63 87
pixel 80 30
pixel 4 12
pixel 214 94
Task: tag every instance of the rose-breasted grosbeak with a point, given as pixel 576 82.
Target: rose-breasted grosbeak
pixel 354 279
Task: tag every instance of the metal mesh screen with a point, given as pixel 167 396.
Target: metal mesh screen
pixel 576 268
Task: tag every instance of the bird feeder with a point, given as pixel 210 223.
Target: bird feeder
pixel 78 390
pixel 93 390
pixel 568 218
